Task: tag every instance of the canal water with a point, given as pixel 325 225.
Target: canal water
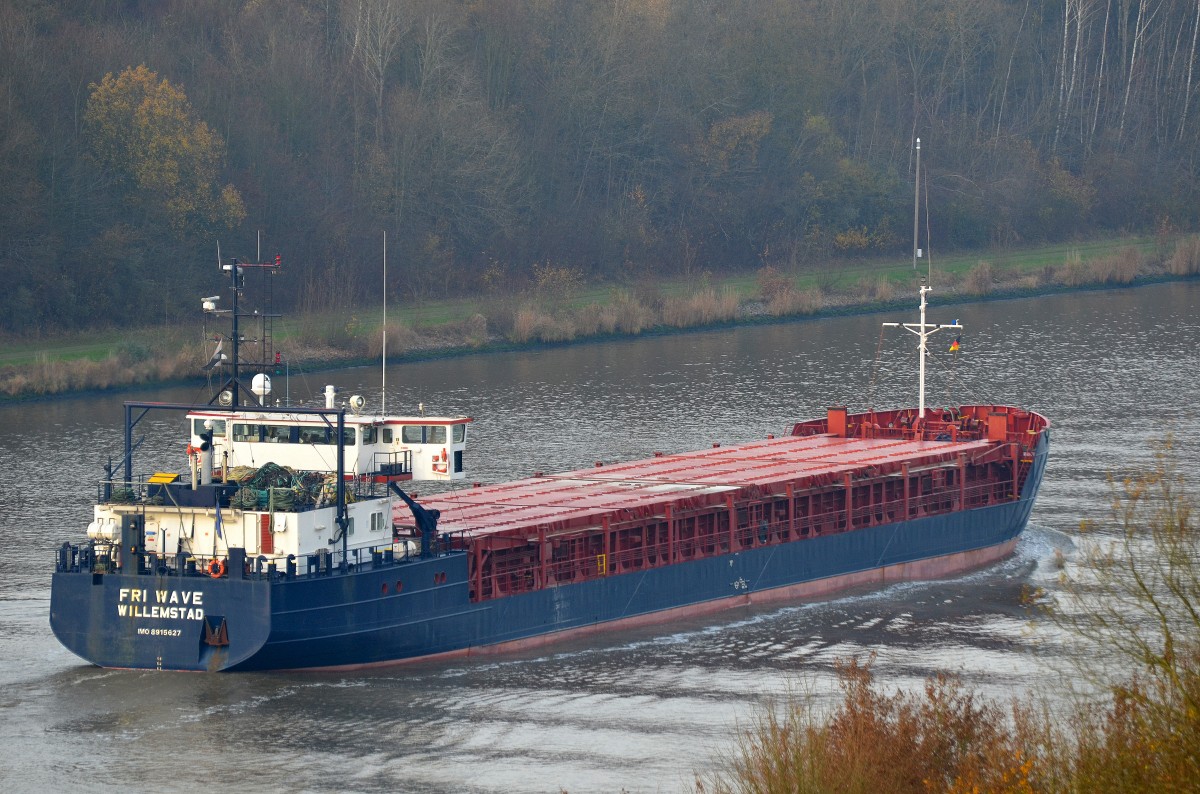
pixel 641 710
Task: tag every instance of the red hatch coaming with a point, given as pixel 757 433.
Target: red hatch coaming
pixel 621 492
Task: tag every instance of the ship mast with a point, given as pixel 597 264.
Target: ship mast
pixel 923 330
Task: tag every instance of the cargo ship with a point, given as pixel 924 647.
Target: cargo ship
pixel 289 542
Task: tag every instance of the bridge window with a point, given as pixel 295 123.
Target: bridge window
pixel 370 435
pixel 277 434
pixel 314 435
pixel 245 432
pixel 324 435
pixel 424 434
pixel 387 435
pixel 218 427
pixel 460 433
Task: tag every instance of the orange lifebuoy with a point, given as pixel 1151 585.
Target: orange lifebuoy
pixel 216 568
pixel 191 450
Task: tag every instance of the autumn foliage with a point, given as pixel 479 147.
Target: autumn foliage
pixel 144 132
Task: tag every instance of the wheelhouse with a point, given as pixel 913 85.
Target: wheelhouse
pixel 397 448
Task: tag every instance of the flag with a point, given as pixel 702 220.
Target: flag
pixel 217 356
pixel 218 521
pixel 954 344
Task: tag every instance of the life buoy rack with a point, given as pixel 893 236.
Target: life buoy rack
pixel 216 568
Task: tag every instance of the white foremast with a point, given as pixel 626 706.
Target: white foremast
pixel 923 330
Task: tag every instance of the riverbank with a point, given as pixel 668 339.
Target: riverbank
pixel 558 309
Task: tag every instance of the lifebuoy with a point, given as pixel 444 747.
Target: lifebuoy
pixel 216 568
pixel 191 450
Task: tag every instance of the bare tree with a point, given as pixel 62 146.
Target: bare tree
pixel 376 31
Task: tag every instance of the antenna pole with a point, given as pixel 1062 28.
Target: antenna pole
pixel 924 336
pixel 383 387
pixel 237 383
pixel 917 207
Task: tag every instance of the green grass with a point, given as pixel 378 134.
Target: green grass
pixel 70 347
pixel 846 278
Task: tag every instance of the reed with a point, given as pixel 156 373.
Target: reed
pixel 1121 267
pixel 633 315
pixel 526 322
pixel 596 320
pixel 531 324
pixel 874 289
pixel 701 307
pixel 791 302
pixel 980 279
pixel 1185 259
pixel 1074 273
pixel 401 337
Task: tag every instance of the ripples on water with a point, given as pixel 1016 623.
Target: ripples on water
pixel 641 710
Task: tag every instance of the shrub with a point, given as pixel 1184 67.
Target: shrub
pixel 944 739
pixel 772 283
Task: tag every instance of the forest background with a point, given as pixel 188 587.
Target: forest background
pixel 502 143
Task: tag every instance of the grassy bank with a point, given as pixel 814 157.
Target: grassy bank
pixel 558 307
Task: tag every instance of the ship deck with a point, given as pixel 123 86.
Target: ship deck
pixel 640 489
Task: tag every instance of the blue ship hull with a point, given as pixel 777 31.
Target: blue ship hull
pixel 386 612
